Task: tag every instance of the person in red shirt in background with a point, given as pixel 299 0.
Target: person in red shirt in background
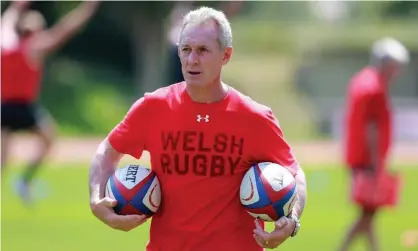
pixel 368 124
pixel 202 136
pixel 25 45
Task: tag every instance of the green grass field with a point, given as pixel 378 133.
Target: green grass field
pixel 61 220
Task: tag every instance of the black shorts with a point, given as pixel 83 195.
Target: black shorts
pixel 16 116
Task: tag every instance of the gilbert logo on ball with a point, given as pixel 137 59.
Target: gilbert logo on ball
pixel 136 189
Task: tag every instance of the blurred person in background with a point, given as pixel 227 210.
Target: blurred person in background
pixel 368 126
pixel 230 8
pixel 25 45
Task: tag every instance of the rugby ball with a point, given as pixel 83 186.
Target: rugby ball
pixel 268 191
pixel 136 190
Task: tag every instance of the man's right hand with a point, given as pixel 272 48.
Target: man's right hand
pixel 21 4
pixel 103 210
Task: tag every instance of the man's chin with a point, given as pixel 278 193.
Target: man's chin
pixel 195 82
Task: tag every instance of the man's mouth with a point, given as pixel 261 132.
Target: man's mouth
pixel 194 72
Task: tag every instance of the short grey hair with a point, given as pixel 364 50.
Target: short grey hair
pixel 204 14
pixel 389 48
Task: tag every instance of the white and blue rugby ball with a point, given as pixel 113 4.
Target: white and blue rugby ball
pixel 136 189
pixel 268 191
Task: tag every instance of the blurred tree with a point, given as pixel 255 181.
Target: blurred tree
pixel 402 9
pixel 369 10
pixel 381 10
pixel 129 38
pixel 122 47
pixel 145 24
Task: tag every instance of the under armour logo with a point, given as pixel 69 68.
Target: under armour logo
pixel 199 118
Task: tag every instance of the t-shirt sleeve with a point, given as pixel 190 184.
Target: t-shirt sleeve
pixel 129 135
pixel 271 146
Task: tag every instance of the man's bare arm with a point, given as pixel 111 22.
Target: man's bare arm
pixel 103 165
pixel 9 22
pixel 301 193
pixel 50 40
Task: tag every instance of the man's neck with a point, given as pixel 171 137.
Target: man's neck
pixel 207 94
pixel 383 77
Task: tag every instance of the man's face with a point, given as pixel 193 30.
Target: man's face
pixel 200 53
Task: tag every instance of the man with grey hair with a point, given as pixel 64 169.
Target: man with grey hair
pixel 230 8
pixel 202 136
pixel 368 130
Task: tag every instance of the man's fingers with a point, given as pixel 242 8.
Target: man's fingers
pixel 132 221
pixel 143 220
pixel 136 219
pixel 260 233
pixel 264 236
pixel 258 224
pixel 265 244
pixel 282 222
pixel 108 202
pixel 127 222
pixel 260 242
pixel 259 230
pixel 103 209
pixel 273 239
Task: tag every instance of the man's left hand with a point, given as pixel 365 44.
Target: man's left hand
pixel 283 228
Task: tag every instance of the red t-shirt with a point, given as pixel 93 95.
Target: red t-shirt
pixel 20 81
pixel 368 103
pixel 200 153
